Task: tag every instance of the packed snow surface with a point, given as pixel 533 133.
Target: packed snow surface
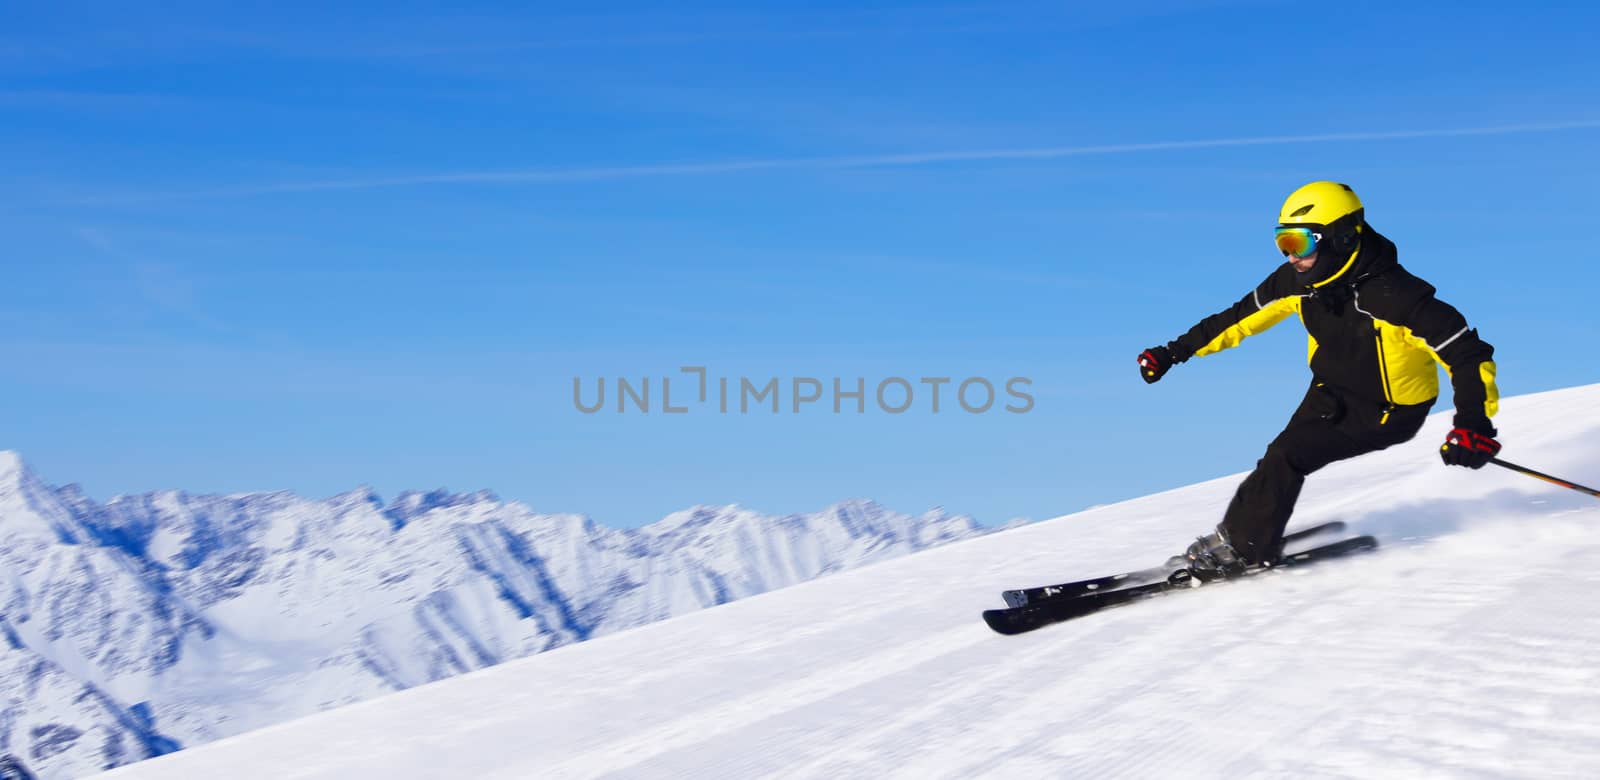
pixel 1469 646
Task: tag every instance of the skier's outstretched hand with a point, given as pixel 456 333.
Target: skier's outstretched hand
pixel 1468 447
pixel 1154 364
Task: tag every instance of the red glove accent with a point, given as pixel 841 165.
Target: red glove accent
pixel 1154 364
pixel 1466 447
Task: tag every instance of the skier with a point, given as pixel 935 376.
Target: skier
pixel 1375 333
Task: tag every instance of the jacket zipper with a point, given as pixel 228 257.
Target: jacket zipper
pixel 1383 371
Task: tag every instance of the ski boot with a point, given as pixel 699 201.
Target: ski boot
pixel 1212 557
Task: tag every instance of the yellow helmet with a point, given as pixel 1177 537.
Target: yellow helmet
pixel 1320 203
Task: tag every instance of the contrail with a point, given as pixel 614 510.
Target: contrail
pixel 865 161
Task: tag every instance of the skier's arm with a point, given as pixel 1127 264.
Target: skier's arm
pixel 1467 358
pixel 1269 304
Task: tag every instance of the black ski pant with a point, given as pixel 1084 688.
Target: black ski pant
pixel 1330 425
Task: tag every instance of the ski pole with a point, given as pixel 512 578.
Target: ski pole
pixel 1545 477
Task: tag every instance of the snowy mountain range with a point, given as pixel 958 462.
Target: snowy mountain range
pixel 1465 647
pixel 161 621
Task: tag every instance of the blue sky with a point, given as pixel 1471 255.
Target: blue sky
pixel 291 247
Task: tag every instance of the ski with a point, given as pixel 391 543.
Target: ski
pixel 1018 620
pixel 1024 596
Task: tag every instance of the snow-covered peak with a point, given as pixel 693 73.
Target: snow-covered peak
pixel 860 505
pixel 412 504
pixel 697 516
pixel 859 514
pixel 361 496
pixel 16 479
pixel 30 510
pixel 11 467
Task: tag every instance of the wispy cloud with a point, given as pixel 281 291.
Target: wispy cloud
pixel 324 34
pixel 161 286
pixel 60 98
pixel 599 173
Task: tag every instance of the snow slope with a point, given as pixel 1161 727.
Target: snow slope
pixel 1469 647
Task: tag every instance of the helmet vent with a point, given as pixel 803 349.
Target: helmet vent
pixel 1303 210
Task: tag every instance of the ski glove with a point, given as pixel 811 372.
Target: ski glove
pixel 1154 364
pixel 1467 447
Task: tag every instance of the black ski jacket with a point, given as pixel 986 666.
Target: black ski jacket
pixel 1375 332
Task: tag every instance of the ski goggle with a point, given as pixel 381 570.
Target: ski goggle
pixel 1297 241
